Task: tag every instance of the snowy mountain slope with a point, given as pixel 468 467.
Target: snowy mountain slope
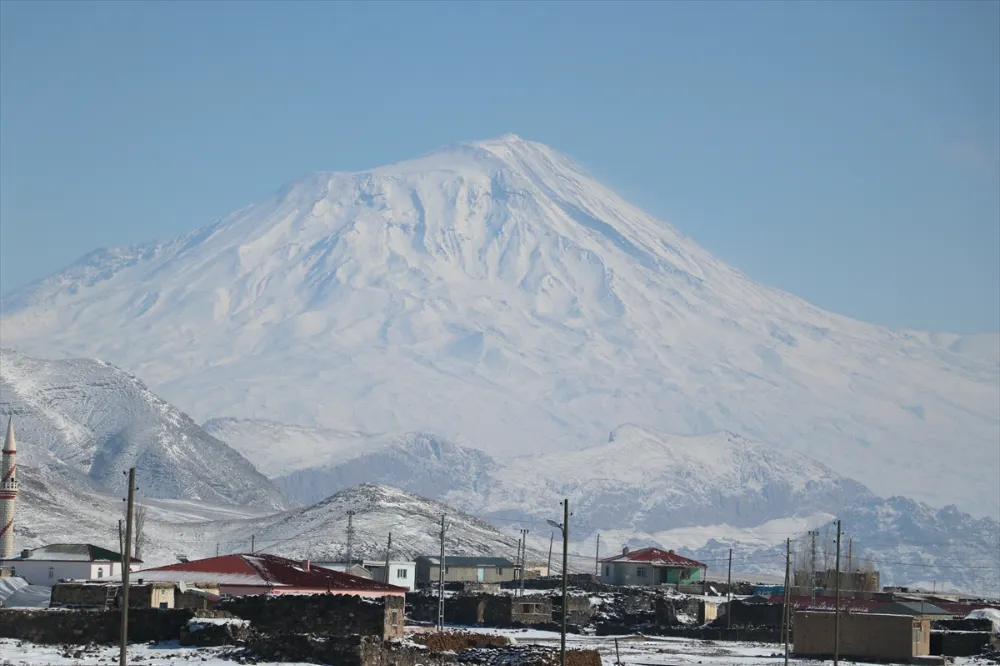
pixel 98 420
pixel 277 449
pixel 639 480
pixel 319 532
pixel 496 294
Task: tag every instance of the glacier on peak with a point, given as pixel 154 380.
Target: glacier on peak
pixel 495 293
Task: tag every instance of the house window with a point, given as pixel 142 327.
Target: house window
pixel 52 572
pixel 640 572
pixel 607 571
pixel 499 571
pixel 402 573
pixel 446 568
pixel 100 572
pixel 163 604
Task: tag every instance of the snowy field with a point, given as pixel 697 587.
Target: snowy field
pixel 633 651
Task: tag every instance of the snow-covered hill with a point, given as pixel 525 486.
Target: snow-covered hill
pixel 97 420
pixel 640 480
pixel 494 293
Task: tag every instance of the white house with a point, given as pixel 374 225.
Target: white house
pixel 67 561
pixel 401 574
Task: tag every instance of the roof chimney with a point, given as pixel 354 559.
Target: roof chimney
pixel 625 551
pixel 305 564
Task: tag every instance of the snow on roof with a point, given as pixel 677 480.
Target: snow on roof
pixel 72 552
pixel 263 570
pixel 655 557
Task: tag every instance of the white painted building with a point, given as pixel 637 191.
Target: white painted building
pixel 67 561
pixel 401 574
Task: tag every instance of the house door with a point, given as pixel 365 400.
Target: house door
pixel 481 574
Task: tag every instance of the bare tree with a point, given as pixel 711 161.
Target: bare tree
pixel 139 513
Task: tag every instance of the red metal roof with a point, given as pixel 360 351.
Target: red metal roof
pixel 655 557
pixel 277 571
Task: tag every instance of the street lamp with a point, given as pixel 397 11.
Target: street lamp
pixel 563 527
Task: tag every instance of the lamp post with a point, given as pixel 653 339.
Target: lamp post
pixel 564 528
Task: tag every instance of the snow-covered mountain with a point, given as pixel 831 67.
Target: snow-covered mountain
pixel 639 480
pixel 97 420
pixel 496 294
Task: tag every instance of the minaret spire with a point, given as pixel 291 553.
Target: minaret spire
pixel 9 488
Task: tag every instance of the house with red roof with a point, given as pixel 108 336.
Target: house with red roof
pixel 651 566
pixel 259 573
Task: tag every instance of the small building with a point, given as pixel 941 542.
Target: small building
pixel 867 636
pixel 141 594
pixel 67 561
pixel 498 610
pixel 651 566
pixel 252 574
pixel 353 569
pixel 401 574
pixel 465 569
pixel 915 609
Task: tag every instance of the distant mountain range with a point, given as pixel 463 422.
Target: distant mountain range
pixel 495 294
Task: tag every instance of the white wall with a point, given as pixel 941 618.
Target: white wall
pixel 46 572
pixel 402 574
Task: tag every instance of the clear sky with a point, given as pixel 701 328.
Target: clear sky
pixel 847 152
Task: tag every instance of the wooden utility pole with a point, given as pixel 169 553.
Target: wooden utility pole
pixel 216 550
pixel 388 549
pixel 524 557
pixel 441 581
pixel 253 544
pixel 121 538
pixel 787 615
pixel 565 580
pixel 597 557
pixel 729 592
pixel 126 565
pixel 836 619
pixel 548 567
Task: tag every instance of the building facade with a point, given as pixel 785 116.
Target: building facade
pixel 67 561
pixel 401 574
pixel 651 566
pixel 465 569
pixel 868 636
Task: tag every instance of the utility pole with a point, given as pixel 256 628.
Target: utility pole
pixel 121 537
pixel 597 557
pixel 850 556
pixel 253 545
pixel 350 537
pixel 787 615
pixel 565 573
pixel 518 568
pixel 216 550
pixel 548 567
pixel 441 581
pixel 388 549
pixel 729 592
pixel 524 556
pixel 836 619
pixel 126 565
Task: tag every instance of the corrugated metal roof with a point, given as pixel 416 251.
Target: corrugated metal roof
pixel 655 557
pixel 501 562
pixel 912 608
pixel 263 569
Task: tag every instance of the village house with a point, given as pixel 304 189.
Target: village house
pixel 465 569
pixel 865 636
pixel 352 569
pixel 251 574
pixel 67 561
pixel 401 574
pixel 651 566
pixel 142 594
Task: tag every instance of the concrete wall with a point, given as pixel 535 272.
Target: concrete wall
pixel 862 636
pixel 428 573
pixel 402 574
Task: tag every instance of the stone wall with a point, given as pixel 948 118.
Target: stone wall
pixel 327 615
pixel 959 643
pixel 91 595
pixel 862 635
pixel 91 626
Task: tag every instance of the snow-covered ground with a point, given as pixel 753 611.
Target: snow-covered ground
pixel 632 650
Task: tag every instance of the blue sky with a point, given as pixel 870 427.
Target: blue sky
pixel 847 152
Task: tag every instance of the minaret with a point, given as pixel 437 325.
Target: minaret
pixel 8 493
